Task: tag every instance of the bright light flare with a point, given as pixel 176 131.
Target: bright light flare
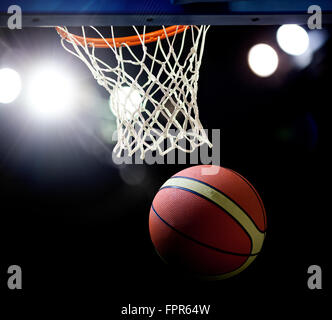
pixel 125 101
pixel 263 60
pixel 51 94
pixel 293 39
pixel 10 85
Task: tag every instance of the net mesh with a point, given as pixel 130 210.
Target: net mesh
pixel 153 87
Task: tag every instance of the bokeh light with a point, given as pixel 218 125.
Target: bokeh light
pixel 10 85
pixel 293 39
pixel 263 60
pixel 133 175
pixel 125 101
pixel 51 94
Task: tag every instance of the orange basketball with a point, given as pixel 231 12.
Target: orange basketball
pixel 212 226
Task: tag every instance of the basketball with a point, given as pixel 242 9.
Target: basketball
pixel 210 226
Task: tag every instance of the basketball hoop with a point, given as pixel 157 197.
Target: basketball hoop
pixel 130 41
pixel 153 89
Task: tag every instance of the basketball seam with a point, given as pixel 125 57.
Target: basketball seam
pixel 219 207
pixel 210 276
pixel 228 274
pixel 257 196
pixel 228 197
pixel 201 243
pixel 235 271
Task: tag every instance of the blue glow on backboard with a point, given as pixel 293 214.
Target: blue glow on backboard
pixel 157 6
pixel 158 12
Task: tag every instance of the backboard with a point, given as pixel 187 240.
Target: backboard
pixel 163 12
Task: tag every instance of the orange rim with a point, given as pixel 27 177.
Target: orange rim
pixel 130 41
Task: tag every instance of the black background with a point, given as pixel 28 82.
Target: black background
pixel 80 233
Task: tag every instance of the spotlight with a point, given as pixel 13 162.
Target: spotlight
pixel 10 85
pixel 50 94
pixel 125 101
pixel 293 39
pixel 263 60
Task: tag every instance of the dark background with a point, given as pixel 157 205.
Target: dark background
pixel 80 232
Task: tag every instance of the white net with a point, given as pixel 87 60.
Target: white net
pixel 153 87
